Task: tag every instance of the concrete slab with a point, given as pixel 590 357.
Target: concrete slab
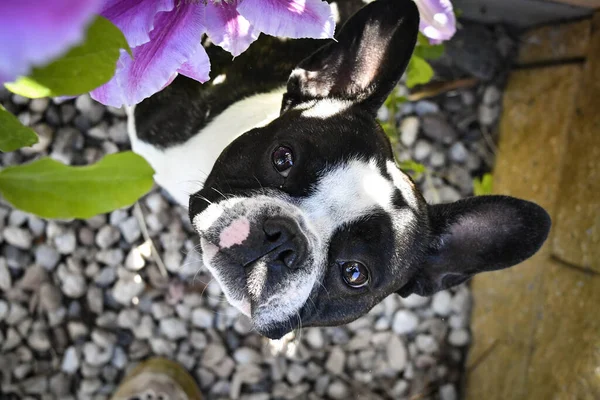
pixel 577 233
pixel 541 45
pixel 536 330
pixel 538 105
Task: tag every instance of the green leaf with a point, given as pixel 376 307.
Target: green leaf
pixel 418 72
pixel 411 166
pixel 483 185
pixel 83 68
pixel 429 52
pixel 53 190
pixel 13 135
pixel 426 50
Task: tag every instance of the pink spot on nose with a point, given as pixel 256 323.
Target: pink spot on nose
pixel 235 233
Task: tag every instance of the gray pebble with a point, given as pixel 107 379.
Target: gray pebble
pixel 422 150
pixel 39 341
pixel 129 318
pixel 155 202
pixel 96 356
pixel 437 159
pixel 127 287
pixel 33 278
pixel 5 277
pixel 95 299
pixel 145 329
pixel 17 218
pixel 405 322
pixel 89 108
pixel 448 392
pixel 46 256
pixel 70 361
pixel 35 385
pixel 118 216
pixel 437 128
pixel 213 354
pixel 16 314
pixel 130 229
pixel 73 285
pixel 396 353
pixel 99 131
pixel 3 310
pixel 491 95
pixel 409 129
pixel 424 107
pixel 246 355
pixel 106 277
pixel 448 194
pixel 337 390
pixel 162 310
pixel 118 133
pixel 488 115
pixel 119 359
pixel 107 236
pixel 12 339
pixel 18 237
pixel 162 346
pixel 458 152
pixel 427 344
pixel 66 242
pixel 113 257
pixel 441 303
pixel 173 328
pixel 202 317
pixel 458 337
pixel 336 361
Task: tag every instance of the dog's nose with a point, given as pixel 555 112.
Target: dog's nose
pixel 285 242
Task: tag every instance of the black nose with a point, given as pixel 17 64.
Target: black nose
pixel 284 242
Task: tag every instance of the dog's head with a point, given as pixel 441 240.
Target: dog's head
pixel 309 219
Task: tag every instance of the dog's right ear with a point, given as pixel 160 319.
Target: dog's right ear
pixel 366 61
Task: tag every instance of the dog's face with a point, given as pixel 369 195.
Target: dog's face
pixel 308 221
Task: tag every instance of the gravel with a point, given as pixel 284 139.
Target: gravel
pixel 82 301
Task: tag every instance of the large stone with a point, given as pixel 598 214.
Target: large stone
pixel 541 45
pixel 577 223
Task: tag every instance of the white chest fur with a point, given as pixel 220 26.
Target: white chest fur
pixel 182 169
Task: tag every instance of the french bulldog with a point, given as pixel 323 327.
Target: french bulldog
pixel 303 216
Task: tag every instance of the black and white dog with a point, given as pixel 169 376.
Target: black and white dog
pixel 303 215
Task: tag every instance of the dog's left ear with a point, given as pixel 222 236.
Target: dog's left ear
pixel 365 63
pixel 478 234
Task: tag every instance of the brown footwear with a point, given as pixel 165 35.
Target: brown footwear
pixel 158 379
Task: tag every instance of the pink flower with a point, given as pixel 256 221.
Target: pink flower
pixel 165 37
pixel 34 32
pixel 438 22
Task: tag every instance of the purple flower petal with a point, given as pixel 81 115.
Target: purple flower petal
pixel 174 40
pixel 33 33
pixel 135 18
pixel 198 66
pixel 438 22
pixel 228 29
pixel 290 18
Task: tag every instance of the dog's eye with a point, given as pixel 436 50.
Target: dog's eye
pixel 283 160
pixel 355 274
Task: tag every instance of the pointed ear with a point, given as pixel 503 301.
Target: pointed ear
pixel 478 234
pixel 366 61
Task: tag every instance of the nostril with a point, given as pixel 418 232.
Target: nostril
pixel 288 257
pixel 273 237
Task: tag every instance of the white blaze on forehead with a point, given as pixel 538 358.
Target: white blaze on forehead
pixel 347 193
